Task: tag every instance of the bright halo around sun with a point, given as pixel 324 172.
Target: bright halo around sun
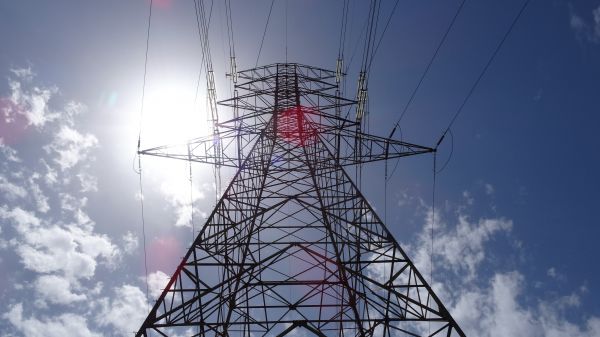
pixel 172 115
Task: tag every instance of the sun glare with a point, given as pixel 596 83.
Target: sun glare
pixel 172 116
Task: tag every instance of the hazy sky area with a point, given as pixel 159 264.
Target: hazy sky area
pixel 516 232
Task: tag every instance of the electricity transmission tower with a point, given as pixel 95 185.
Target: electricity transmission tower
pixel 293 248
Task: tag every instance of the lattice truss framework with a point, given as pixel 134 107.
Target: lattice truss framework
pixel 293 247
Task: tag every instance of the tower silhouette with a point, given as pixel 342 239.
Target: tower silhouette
pixel 293 248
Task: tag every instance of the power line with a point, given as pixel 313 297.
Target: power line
pixel 362 31
pixel 201 45
pixel 264 33
pixel 231 40
pixel 211 88
pixel 384 30
pixel 451 152
pixel 343 28
pixel 339 67
pixel 426 71
pixel 143 226
pixel 145 73
pixel 138 150
pixel 369 40
pixel 191 194
pixel 363 77
pixel 483 71
pixel 448 130
pixel 432 216
pixel 432 232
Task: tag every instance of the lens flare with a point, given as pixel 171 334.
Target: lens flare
pixel 293 126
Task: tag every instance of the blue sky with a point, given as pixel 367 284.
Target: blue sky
pixel 516 231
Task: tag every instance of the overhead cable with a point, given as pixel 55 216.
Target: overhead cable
pixel 139 171
pixel 483 71
pixel 428 67
pixel 264 32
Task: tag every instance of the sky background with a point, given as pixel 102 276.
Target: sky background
pixel 516 231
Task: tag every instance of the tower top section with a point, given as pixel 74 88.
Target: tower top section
pixel 288 93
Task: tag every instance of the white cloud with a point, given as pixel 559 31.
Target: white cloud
pixel 468 198
pixel 577 22
pixel 157 282
pixel 57 289
pixel 459 248
pixel 88 182
pixel 53 250
pixel 60 250
pixel 496 307
pixel 177 192
pixel 9 153
pixel 584 30
pixel 29 101
pixel 58 326
pixel 11 191
pixel 38 195
pixel 71 203
pixel 496 310
pixel 463 246
pixel 95 245
pixel 125 312
pixel 22 218
pixel 68 250
pixel 71 147
pixel 24 73
pixel 130 242
pixel 489 189
pixel 51 176
pixel 596 14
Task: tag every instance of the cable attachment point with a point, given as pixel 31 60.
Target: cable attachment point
pixel 233 69
pixel 338 70
pixel 361 96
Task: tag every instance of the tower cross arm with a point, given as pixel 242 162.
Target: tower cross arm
pixel 365 148
pixel 199 150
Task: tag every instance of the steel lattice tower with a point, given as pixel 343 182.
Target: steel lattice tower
pixel 293 248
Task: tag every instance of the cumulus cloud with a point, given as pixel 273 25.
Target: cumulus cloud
pixel 157 282
pixel 69 250
pixel 586 28
pixel 57 289
pixel 177 192
pixel 88 182
pixel 28 100
pixel 493 305
pixel 125 311
pixel 71 147
pixel 59 247
pixel 130 243
pixel 57 326
pixel 596 14
pixel 10 190
pixel 38 195
pixel 8 152
pixel 489 189
pixel 496 310
pixel 462 247
pixel 21 218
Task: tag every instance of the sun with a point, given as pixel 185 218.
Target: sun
pixel 172 115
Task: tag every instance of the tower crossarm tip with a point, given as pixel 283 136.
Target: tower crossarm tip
pixel 201 150
pixel 365 148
